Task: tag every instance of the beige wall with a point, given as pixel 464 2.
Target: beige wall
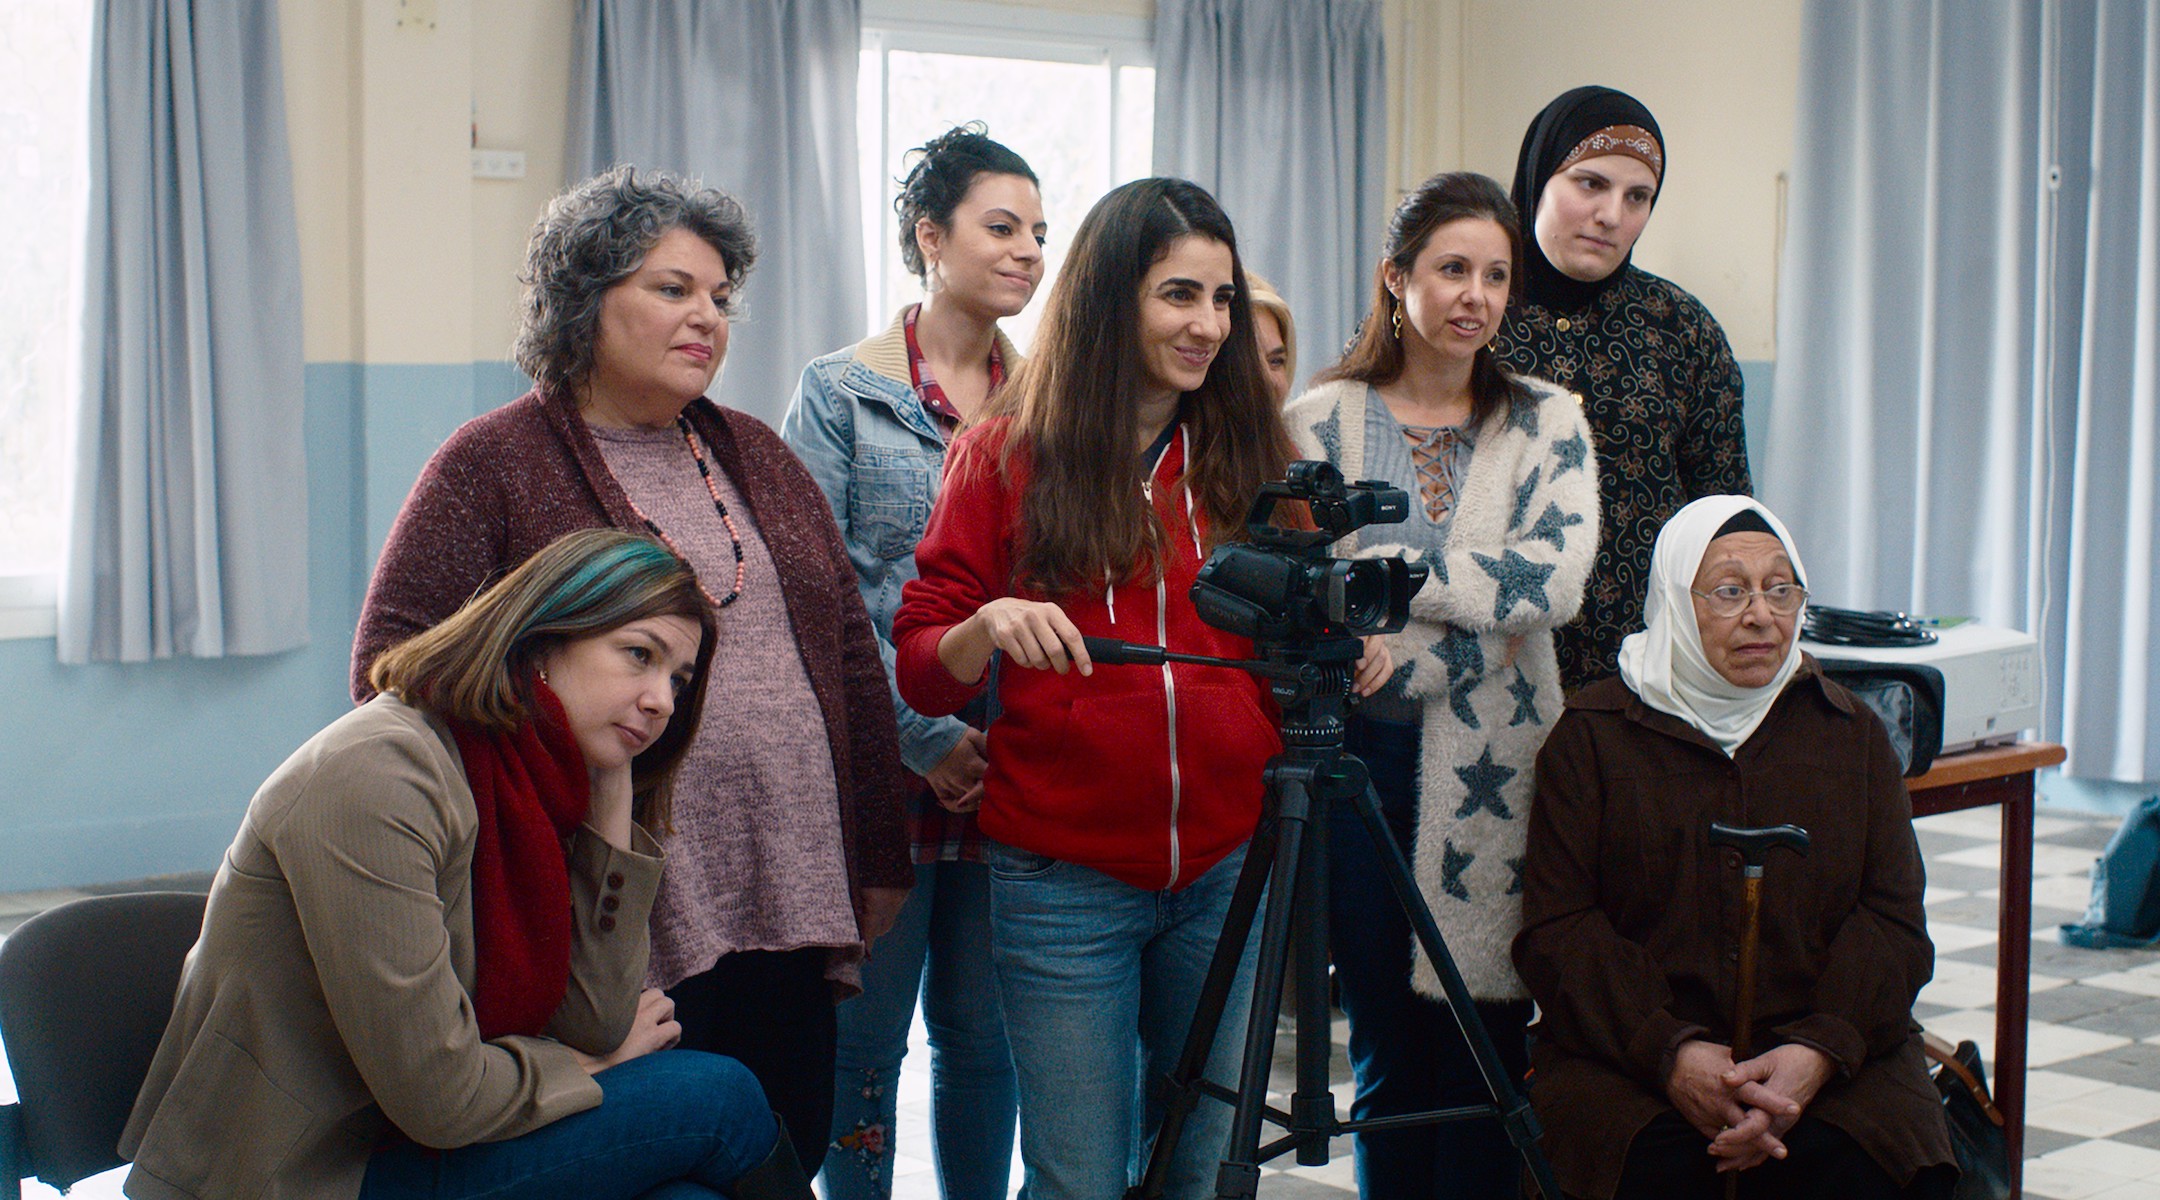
pixel 1722 79
pixel 408 259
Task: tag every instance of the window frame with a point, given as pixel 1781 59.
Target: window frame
pixel 29 605
pixel 986 30
pixel 29 599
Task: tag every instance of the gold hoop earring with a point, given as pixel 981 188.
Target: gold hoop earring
pixel 1395 321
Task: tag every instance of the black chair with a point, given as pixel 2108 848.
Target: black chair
pixel 85 992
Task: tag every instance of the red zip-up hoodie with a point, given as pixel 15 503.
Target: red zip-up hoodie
pixel 1150 775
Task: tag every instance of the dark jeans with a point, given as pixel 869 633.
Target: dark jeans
pixel 1408 1053
pixel 772 1010
pixel 1668 1161
pixel 673 1125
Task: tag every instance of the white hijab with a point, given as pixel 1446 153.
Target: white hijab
pixel 1665 663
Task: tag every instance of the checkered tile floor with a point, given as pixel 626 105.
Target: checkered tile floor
pixel 2093 1107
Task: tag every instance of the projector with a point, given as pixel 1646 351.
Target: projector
pixel 1976 684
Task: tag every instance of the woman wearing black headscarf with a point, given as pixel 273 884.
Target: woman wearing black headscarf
pixel 1656 375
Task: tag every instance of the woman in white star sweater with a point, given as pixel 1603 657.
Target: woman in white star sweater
pixel 1504 510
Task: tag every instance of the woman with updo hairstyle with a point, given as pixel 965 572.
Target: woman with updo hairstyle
pixel 1655 373
pixel 788 854
pixel 1505 510
pixel 872 422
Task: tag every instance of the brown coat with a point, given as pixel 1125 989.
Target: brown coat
pixel 330 991
pixel 1631 921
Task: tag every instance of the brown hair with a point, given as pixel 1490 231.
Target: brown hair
pixel 1084 514
pixel 1375 356
pixel 478 665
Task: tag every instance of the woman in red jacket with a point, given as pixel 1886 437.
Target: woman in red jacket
pixel 1119 798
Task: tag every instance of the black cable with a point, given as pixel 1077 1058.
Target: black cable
pixel 1854 627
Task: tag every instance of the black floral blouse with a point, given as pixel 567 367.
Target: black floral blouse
pixel 1662 393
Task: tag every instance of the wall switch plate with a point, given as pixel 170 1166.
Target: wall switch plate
pixel 498 164
pixel 416 14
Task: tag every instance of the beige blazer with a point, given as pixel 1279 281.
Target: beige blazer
pixel 331 990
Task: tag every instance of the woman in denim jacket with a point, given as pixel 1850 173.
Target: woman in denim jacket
pixel 871 422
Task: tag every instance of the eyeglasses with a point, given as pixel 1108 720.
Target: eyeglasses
pixel 1730 599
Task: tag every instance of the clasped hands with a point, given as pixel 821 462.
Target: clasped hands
pixel 1745 1108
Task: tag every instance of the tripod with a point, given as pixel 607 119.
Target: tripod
pixel 1288 858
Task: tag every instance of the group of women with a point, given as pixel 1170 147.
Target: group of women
pixel 837 679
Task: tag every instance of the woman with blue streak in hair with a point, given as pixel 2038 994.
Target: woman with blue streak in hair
pixel 421 969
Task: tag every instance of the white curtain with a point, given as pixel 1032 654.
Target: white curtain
pixel 1279 107
pixel 756 98
pixel 1965 390
pixel 188 528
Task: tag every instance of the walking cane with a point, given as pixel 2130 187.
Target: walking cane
pixel 1754 846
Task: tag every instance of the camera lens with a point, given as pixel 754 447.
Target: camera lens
pixel 1357 595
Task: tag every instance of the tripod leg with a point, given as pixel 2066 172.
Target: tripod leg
pixel 1182 1088
pixel 1240 1174
pixel 1515 1114
pixel 1312 1106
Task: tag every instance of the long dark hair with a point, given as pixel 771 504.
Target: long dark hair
pixel 1376 356
pixel 1072 404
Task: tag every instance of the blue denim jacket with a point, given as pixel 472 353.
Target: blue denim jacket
pixel 857 423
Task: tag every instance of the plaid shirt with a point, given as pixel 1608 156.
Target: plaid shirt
pixel 936 834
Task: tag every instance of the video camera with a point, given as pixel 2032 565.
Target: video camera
pixel 1282 589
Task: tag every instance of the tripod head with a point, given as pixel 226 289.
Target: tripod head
pixel 1310 682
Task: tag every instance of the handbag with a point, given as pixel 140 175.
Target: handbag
pixel 1976 1125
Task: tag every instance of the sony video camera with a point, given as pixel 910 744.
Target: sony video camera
pixel 1282 589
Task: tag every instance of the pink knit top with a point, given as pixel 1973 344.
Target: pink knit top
pixel 756 859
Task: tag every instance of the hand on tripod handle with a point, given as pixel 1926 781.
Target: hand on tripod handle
pixel 1032 633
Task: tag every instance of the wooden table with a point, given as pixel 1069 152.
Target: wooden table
pixel 1975 779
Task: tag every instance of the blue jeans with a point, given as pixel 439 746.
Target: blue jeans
pixel 676 1124
pixel 1407 1052
pixel 940 947
pixel 1100 980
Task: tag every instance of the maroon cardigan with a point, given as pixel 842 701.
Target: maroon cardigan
pixel 510 481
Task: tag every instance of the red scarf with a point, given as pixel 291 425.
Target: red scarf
pixel 531 789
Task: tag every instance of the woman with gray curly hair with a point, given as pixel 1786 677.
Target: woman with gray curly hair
pixel 788 853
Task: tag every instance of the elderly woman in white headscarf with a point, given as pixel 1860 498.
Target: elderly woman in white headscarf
pixel 1632 918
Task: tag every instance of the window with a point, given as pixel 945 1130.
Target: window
pixel 1073 94
pixel 44 94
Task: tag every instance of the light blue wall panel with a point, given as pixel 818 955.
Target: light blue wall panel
pixel 1756 376
pixel 112 772
pixel 120 771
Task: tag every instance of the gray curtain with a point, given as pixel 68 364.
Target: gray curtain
pixel 1965 392
pixel 2101 390
pixel 188 533
pixel 1279 107
pixel 757 98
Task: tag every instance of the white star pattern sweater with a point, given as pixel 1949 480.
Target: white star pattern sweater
pixel 1479 652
